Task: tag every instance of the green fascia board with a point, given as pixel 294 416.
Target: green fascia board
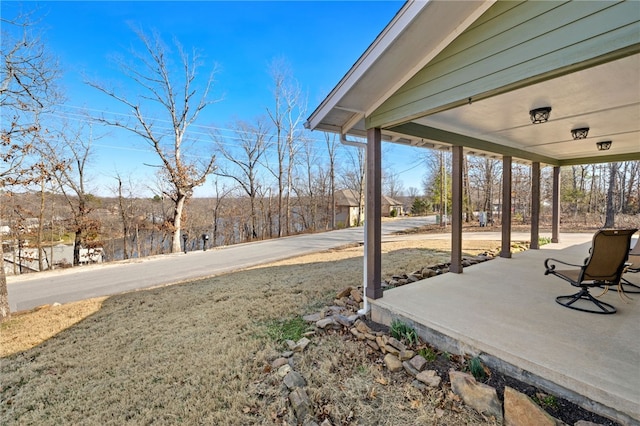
pixel 426 132
pixel 578 35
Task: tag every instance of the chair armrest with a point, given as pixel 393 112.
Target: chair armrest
pixel 550 265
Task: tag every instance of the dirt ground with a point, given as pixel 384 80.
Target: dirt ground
pixel 200 353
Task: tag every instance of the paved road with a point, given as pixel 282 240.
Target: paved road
pixel 31 290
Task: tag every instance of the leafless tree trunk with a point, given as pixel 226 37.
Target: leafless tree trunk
pixel 175 91
pixel 286 116
pixel 27 87
pixel 244 162
pixel 331 149
pixel 611 208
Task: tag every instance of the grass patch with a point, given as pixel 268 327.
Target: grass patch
pixel 546 401
pixel 287 329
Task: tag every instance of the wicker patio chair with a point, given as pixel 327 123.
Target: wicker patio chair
pixel 633 267
pixel 604 266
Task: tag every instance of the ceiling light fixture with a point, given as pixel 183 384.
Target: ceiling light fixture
pixel 580 133
pixel 540 115
pixel 603 145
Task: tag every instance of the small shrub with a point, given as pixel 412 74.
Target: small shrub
pixel 543 240
pixel 403 332
pixel 477 369
pixel 288 329
pixel 393 213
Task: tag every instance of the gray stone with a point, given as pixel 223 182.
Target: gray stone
pixel 342 320
pixel 294 380
pixel 287 354
pixel 418 362
pixel 410 369
pixel 300 403
pixel 414 278
pixel 290 344
pixel 478 396
pixel 313 317
pixel 520 410
pixel 325 322
pixel 430 378
pixel 392 362
pixel 392 341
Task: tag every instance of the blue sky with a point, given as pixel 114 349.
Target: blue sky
pixel 319 40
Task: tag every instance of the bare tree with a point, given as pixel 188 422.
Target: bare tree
pixel 244 162
pixel 353 177
pixel 27 86
pixel 611 198
pixel 392 184
pixel 286 115
pixel 174 90
pixel 71 149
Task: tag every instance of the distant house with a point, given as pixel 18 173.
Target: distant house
pixel 348 207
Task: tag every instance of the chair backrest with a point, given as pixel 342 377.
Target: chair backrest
pixel 609 252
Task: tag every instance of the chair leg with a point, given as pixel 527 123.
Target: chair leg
pixel 629 287
pixel 583 294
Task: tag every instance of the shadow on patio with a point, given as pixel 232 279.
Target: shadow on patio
pixel 505 311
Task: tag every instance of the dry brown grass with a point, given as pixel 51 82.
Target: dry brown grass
pixel 199 353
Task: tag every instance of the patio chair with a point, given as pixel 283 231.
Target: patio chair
pixel 604 266
pixel 633 267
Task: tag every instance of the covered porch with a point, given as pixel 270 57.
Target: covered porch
pixel 504 311
pixel 547 84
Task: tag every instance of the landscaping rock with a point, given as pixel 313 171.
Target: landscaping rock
pixel 357 334
pixel 373 345
pixel 520 410
pixel 395 343
pixel 342 320
pixel 429 378
pixel 279 362
pixel 326 322
pixel 313 317
pixel 356 295
pixel 363 328
pixel 284 370
pixel 406 355
pixel 301 345
pixel 410 369
pixel 294 380
pixel 344 293
pixel 481 397
pixel 300 403
pixel 418 362
pixel 393 363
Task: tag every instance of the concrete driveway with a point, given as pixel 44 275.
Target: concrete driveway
pixel 68 285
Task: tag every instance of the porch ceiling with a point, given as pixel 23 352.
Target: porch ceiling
pixel 604 96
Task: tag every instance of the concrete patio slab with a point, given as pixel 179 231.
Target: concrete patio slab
pixel 505 311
